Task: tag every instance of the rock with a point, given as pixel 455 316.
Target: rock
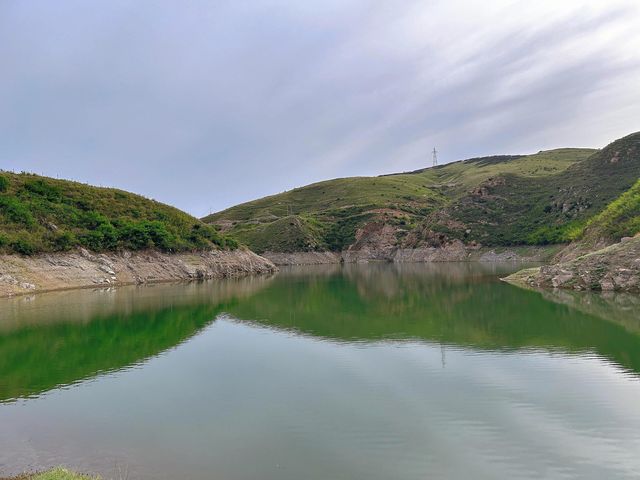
pixel 82 268
pixel 614 268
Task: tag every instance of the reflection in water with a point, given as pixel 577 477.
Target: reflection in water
pixel 55 339
pixel 342 372
pixel 459 304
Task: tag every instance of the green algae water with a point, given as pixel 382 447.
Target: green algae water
pixel 337 372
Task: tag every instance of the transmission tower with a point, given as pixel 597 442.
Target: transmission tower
pixel 435 156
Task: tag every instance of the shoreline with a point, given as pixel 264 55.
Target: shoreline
pixel 453 252
pixel 81 269
pixel 615 268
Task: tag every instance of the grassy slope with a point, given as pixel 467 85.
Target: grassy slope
pixel 329 212
pixel 40 214
pixel 620 219
pixel 513 209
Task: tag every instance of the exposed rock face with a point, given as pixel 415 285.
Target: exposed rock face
pixel 614 268
pixel 375 241
pixel 82 268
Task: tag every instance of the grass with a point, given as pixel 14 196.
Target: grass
pixel 514 209
pixel 58 473
pixel 61 474
pixel 620 219
pixel 330 212
pixel 40 214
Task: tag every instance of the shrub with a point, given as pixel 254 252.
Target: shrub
pixel 159 235
pixel 63 241
pixel 134 235
pixel 16 211
pixel 23 246
pixel 4 183
pixel 44 189
pixel 231 243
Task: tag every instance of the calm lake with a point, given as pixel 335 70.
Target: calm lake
pixel 335 372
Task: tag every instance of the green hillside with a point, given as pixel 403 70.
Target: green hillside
pixel 40 214
pixel 620 219
pixel 512 208
pixel 327 214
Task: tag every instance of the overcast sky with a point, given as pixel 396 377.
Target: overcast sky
pixel 204 104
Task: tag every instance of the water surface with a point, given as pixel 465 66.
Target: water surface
pixel 372 372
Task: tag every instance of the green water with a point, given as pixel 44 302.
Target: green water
pixel 373 371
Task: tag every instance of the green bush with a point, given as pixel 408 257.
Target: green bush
pixel 42 188
pixel 4 183
pixel 158 234
pixel 23 245
pixel 134 235
pixel 16 211
pixel 63 241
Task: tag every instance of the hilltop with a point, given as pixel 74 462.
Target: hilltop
pixel 41 214
pixel 544 198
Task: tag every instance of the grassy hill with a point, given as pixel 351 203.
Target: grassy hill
pixel 512 208
pixel 40 214
pixel 444 199
pixel 548 197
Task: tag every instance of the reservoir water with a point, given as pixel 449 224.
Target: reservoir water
pixel 334 372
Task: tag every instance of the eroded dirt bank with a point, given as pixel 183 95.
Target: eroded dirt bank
pixel 82 269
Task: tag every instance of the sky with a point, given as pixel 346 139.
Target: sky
pixel 204 104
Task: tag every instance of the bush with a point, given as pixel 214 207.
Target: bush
pixel 231 243
pixel 202 236
pixel 159 235
pixel 4 183
pixel 23 246
pixel 134 235
pixel 63 241
pixel 42 188
pixel 16 211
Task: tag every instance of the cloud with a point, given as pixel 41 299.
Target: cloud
pixel 206 104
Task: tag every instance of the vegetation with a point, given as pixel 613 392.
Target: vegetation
pixel 426 199
pixel 61 474
pixel 512 209
pixel 58 473
pixel 620 219
pixel 40 214
pixel 547 198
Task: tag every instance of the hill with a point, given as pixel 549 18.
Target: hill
pixel 327 215
pixel 41 214
pixel 512 208
pixel 544 198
